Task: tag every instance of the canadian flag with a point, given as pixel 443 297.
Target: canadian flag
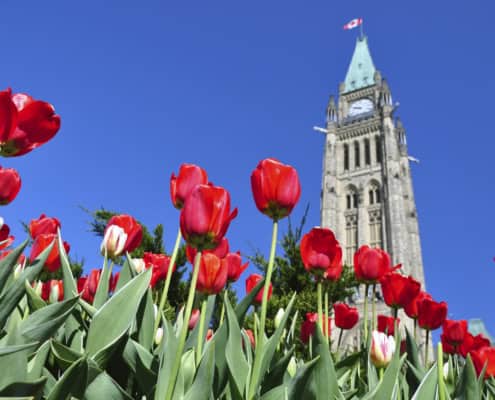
pixel 354 23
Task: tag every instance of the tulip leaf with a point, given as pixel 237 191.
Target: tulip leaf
pixel 13 294
pixel 389 383
pixel 276 375
pixel 298 386
pixel 114 318
pixel 35 301
pixel 65 356
pixel 192 339
pixel 104 387
pixel 324 383
pixel 7 350
pixel 18 389
pixel 203 381
pixel 236 360
pixel 141 363
pixel 126 273
pixel 416 372
pixel 270 346
pixel 70 285
pixel 468 388
pixel 72 383
pixel 166 350
pixel 145 319
pixel 8 263
pixel 428 386
pixel 101 294
pixel 36 364
pixel 220 338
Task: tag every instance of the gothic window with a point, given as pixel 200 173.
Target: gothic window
pixel 375 229
pixel 378 146
pixel 377 195
pixel 367 154
pixel 346 157
pixel 356 155
pixel 348 198
pixel 355 200
pixel 351 242
pixel 371 196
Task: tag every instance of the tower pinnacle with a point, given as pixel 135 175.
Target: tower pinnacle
pixel 361 71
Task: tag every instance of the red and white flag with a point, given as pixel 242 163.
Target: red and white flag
pixel 353 24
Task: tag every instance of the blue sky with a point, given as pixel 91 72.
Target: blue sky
pixel 144 86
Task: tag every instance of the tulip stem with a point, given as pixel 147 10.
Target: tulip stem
pixel 327 334
pixel 310 347
pixel 366 286
pixel 427 344
pixel 184 328
pixel 260 344
pixel 320 307
pixel 380 373
pixel 222 314
pixel 341 333
pixel 373 308
pixel 201 329
pixel 441 383
pixel 166 286
pixel 416 330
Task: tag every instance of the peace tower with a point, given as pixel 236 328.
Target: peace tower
pixel 367 192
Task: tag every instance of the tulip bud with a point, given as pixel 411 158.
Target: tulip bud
pixel 159 336
pixel 1 223
pixel 56 291
pixel 382 349
pixel 292 367
pixel 113 241
pixel 38 287
pixel 278 317
pixel 18 270
pixel 138 264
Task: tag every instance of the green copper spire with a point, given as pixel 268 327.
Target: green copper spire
pixel 361 70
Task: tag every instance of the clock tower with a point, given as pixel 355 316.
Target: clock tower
pixel 367 192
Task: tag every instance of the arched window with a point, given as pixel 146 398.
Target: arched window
pixel 356 155
pixel 371 196
pixel 367 153
pixel 375 227
pixel 355 202
pixel 346 157
pixel 378 146
pixel 349 204
pixel 377 195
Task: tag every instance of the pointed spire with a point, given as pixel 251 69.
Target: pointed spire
pixel 331 110
pixel 361 71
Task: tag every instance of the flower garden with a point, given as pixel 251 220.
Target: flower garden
pixel 107 335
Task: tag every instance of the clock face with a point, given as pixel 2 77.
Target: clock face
pixel 360 107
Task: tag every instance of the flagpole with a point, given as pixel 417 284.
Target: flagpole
pixel 361 28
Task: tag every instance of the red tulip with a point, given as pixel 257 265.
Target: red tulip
pixel 189 177
pixel 251 282
pixel 431 314
pixel 209 334
pixel 212 276
pixel 206 216
pixel 160 264
pixel 10 184
pixel 41 242
pixel 250 335
pixel 43 225
pixel 52 290
pixel 472 343
pixel 482 357
pixel 234 265
pixel 114 279
pixel 276 188
pixel 195 314
pixel 454 332
pixel 371 264
pixel 309 324
pixel 411 309
pixel 386 324
pixel 345 317
pixel 132 229
pixel 87 285
pixel 398 290
pixel 21 260
pixel 5 239
pixel 26 123
pixel 220 251
pixel 321 252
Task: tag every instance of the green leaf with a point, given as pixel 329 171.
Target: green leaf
pixel 114 318
pixel 101 294
pixel 8 263
pixel 324 378
pixel 70 285
pixel 14 293
pixel 35 301
pixel 201 386
pixel 18 389
pixel 192 339
pixel 468 388
pixel 388 384
pixel 167 350
pixel 187 369
pixel 276 375
pixel 14 349
pixel 65 356
pixel 126 273
pixel 298 386
pixel 42 324
pixel 428 386
pixel 145 320
pixel 104 387
pixel 416 372
pixel 36 364
pixel 141 363
pixel 236 361
pixel 72 383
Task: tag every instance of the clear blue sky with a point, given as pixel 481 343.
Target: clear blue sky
pixel 144 86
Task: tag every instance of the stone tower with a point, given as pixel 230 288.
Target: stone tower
pixel 367 193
